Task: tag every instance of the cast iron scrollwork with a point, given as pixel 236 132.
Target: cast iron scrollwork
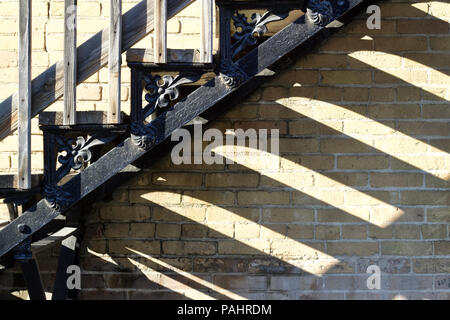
pixel 74 154
pixel 163 90
pixel 231 74
pixel 56 197
pixel 143 136
pixel 321 12
pixel 251 31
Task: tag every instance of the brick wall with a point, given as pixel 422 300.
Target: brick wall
pixel 363 179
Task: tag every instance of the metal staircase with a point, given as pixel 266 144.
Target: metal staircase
pixel 85 152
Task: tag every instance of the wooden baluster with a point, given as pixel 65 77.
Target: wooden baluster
pixel 114 62
pixel 70 61
pixel 24 123
pixel 160 31
pixel 206 46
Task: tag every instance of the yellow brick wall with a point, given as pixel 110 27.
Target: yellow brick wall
pixel 363 179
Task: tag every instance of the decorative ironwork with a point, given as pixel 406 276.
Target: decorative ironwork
pixel 163 90
pixel 143 136
pixel 231 74
pixel 56 197
pixel 76 153
pixel 251 31
pixel 321 12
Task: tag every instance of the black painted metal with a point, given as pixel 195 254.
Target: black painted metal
pixel 66 258
pixel 30 270
pixel 297 36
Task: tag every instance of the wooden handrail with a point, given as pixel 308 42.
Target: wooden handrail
pixel 92 56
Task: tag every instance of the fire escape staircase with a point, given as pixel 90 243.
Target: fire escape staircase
pixel 85 152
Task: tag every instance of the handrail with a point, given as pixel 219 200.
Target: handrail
pixel 92 56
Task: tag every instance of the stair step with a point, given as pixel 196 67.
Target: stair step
pixel 83 128
pixel 52 240
pixel 83 118
pixel 9 185
pixel 178 59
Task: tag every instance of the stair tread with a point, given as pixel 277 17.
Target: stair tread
pixel 52 239
pixel 90 128
pixel 177 59
pixel 9 182
pixel 49 118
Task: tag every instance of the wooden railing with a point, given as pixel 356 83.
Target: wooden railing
pixel 160 33
pixel 74 74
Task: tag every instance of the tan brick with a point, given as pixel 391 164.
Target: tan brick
pixel 324 232
pixel 438 111
pixel 87 92
pixel 297 77
pixel 124 246
pixel 193 231
pixel 231 180
pixel 439 43
pixel 333 179
pixel 344 145
pixel 288 215
pixel 167 230
pixel 346 44
pixel 177 179
pixel 346 77
pixel 318 197
pixel 336 215
pixel 379 180
pixel 189 248
pixel 335 61
pixel 434 26
pixel 369 127
pixel 209 197
pixel 406 248
pixel 438 214
pixel 363 162
pixel 399 76
pixel 244 247
pixel 142 230
pixel 275 93
pixel 314 162
pixel 117 230
pixel 132 213
pixel 246 231
pixel 362 248
pixel 382 94
pixel 242 111
pixel 442 247
pixel 432 265
pixel 312 128
pixel 352 231
pixel 376 232
pixel 394 111
pixel 356 94
pixel 404 9
pixel 404 43
pixel 434 231
pixel 222 231
pixel 154 197
pixel 425 197
pixel 243 215
pixel 299 250
pixel 298 231
pixel 406 231
pixel 179 214
pixel 422 128
pixel 262 197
